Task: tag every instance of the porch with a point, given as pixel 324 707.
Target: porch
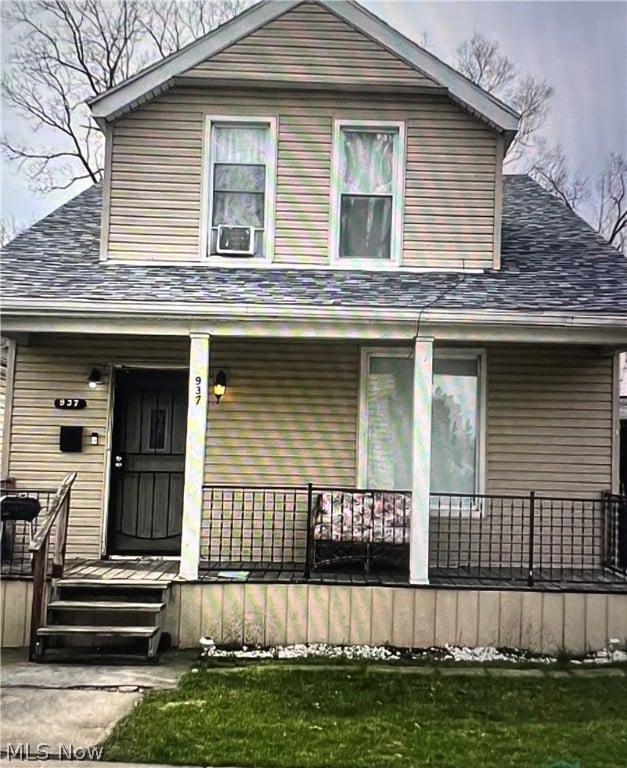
pixel 305 575
pixel 322 535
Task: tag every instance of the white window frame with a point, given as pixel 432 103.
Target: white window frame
pixel 398 195
pixel 456 353
pixel 362 432
pixel 269 193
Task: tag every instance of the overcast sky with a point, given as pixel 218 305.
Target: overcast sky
pixel 579 47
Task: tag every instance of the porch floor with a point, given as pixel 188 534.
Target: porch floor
pixel 149 569
pixel 137 569
pixel 600 580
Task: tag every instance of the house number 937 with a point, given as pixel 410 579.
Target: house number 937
pixel 198 391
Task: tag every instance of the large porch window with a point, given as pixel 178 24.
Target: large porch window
pixel 387 421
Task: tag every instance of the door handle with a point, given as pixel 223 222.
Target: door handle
pixel 118 462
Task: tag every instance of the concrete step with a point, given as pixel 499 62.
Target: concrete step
pixel 105 605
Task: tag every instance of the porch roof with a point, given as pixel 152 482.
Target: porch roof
pixel 551 261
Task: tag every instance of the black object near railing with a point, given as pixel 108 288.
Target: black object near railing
pixel 21 512
pixel 33 536
pixel 520 539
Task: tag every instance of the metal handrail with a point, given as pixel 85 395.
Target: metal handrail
pixel 56 505
pixel 58 510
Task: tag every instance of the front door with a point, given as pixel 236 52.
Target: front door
pixel 148 462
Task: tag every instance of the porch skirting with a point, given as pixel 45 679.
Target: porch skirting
pixel 272 614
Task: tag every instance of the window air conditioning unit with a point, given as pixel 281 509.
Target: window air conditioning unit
pixel 236 241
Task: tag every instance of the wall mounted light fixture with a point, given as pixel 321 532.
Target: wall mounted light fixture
pixel 94 378
pixel 219 385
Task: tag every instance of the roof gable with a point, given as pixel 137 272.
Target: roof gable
pixel 311 46
pixel 424 68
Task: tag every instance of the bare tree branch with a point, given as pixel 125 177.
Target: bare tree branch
pixel 10 228
pixel 67 51
pixel 603 204
pixel 611 189
pixel 479 59
pixel 482 62
pixel 551 169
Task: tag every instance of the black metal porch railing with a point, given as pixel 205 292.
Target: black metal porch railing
pixel 254 527
pixel 616 532
pixel 516 539
pixel 530 539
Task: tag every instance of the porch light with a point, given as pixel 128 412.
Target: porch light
pixel 94 378
pixel 219 385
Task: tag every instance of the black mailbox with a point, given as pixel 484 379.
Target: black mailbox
pixel 71 439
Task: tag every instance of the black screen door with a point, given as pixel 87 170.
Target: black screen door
pixel 148 462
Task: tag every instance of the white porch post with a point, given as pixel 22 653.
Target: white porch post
pixel 419 540
pixel 194 454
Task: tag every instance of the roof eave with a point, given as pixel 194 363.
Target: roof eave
pixel 464 90
pixel 159 77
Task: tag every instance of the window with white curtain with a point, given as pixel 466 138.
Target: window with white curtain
pixel 367 191
pixel 241 173
pixel 387 421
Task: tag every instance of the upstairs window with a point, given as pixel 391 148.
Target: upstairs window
pixel 241 180
pixel 367 192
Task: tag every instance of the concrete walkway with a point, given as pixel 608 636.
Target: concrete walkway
pixel 62 710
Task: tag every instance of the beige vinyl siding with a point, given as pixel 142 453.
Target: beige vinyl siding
pixel 156 178
pixel 58 366
pixel 310 44
pixel 4 375
pixel 549 420
pixel 289 415
pixel 16 597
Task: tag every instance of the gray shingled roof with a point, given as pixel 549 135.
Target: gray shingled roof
pixel 551 260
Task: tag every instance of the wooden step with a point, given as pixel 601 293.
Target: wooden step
pixel 70 629
pixel 105 605
pixel 100 642
pixel 108 583
pixel 109 590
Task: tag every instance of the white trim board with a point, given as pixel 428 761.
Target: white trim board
pixel 85 308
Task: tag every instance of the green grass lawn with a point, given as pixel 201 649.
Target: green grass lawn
pixel 277 717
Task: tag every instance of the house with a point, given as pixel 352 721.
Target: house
pixel 322 371
pixel 623 424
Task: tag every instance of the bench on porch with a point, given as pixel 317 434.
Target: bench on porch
pixel 366 527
